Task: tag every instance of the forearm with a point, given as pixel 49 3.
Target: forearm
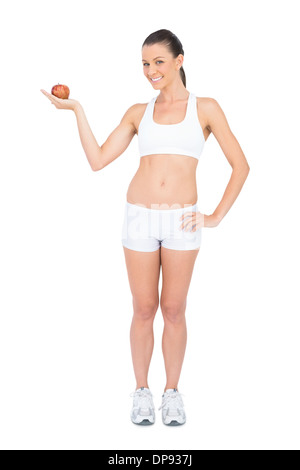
pixel 233 188
pixel 88 141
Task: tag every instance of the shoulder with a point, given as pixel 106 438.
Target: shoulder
pixel 212 110
pixel 135 110
pixel 135 113
pixel 209 104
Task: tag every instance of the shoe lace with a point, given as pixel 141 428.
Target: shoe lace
pixel 144 396
pixel 172 400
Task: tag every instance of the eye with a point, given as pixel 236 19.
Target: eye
pixel 156 62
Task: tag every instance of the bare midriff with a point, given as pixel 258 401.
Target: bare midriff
pixel 164 182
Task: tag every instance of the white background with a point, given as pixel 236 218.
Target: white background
pixel 66 307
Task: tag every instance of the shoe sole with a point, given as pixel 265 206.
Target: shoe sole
pixel 145 422
pixel 174 423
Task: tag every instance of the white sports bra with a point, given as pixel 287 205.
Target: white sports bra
pixel 183 138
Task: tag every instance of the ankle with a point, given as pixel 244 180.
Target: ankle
pixel 142 386
pixel 168 387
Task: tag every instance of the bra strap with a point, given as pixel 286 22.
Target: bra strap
pixel 193 107
pixel 150 108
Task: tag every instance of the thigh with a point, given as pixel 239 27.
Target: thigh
pixel 143 270
pixel 177 269
pixel 140 229
pixel 173 237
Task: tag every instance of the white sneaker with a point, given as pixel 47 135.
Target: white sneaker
pixel 172 408
pixel 143 408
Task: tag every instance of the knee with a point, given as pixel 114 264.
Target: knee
pixel 173 311
pixel 145 310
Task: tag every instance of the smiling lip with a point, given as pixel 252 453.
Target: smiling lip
pixel 156 79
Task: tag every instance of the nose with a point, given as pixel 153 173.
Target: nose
pixel 151 73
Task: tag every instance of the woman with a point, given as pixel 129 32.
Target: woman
pixel 162 224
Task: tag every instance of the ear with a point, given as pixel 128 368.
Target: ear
pixel 179 61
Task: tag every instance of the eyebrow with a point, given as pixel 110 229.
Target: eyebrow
pixel 160 56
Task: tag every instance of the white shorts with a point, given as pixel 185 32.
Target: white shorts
pixel 147 229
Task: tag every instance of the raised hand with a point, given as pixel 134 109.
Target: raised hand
pixel 60 103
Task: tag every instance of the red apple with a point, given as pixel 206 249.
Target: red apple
pixel 60 91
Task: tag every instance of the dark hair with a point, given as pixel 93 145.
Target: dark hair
pixel 166 37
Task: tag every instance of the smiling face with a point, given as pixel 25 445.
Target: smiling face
pixel 159 65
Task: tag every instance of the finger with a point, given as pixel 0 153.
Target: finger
pixel 51 97
pixel 182 227
pixel 186 225
pixel 189 225
pixel 48 96
pixel 46 93
pixel 186 214
pixel 196 227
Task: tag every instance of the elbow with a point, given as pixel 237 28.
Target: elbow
pixel 244 168
pixel 96 167
pixel 245 171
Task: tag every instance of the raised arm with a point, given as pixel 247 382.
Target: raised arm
pixel 116 143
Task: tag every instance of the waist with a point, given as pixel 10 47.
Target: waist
pixel 162 208
pixel 164 175
pixel 164 180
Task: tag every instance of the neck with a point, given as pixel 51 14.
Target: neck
pixel 173 92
